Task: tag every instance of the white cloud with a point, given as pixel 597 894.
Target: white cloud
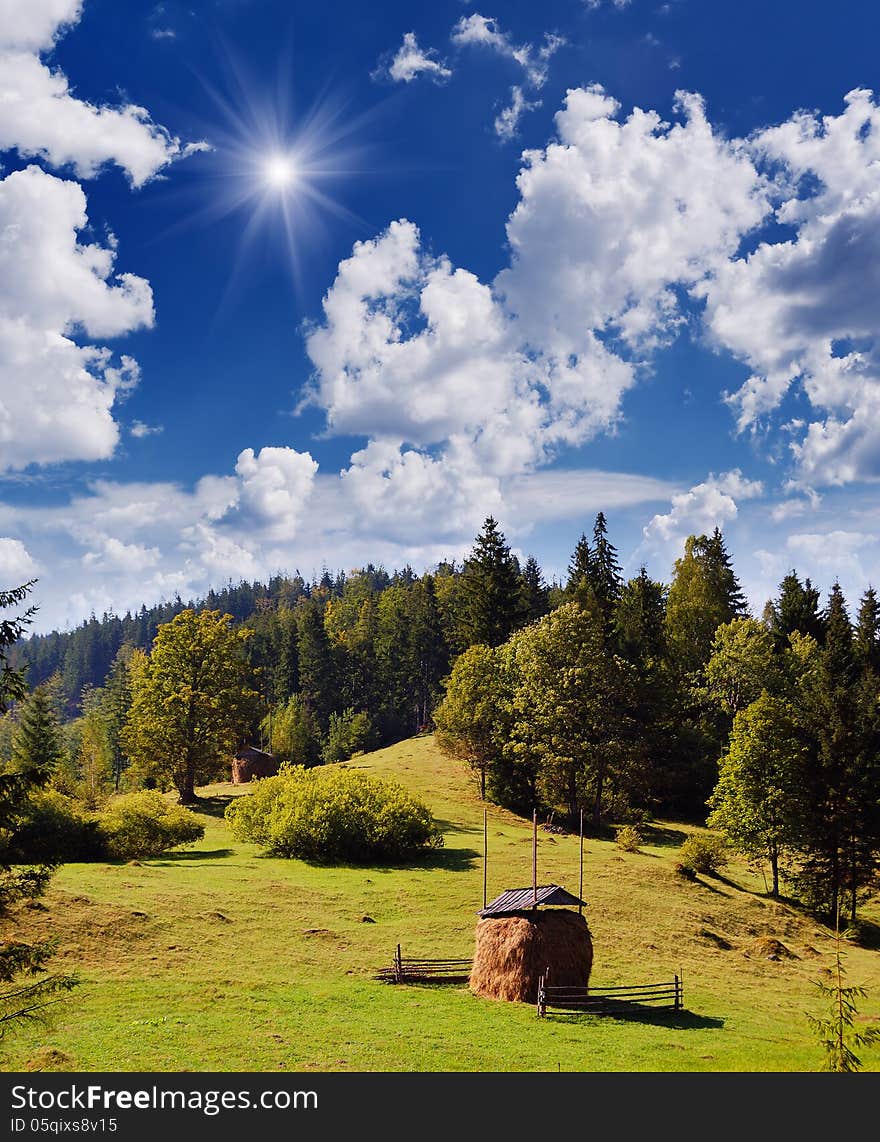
pixel 40 117
pixel 708 505
pixel 139 429
pixel 411 61
pixel 116 556
pixel 507 120
pixel 55 291
pixel 483 31
pixel 803 311
pixel 17 566
pixel 614 215
pixel 275 484
pixel 33 25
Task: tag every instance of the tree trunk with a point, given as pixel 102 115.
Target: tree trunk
pixel 483 782
pixel 597 804
pixel 186 784
pixel 774 868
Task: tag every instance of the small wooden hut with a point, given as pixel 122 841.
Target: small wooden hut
pixel 250 762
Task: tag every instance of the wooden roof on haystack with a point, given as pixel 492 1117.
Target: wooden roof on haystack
pixel 524 899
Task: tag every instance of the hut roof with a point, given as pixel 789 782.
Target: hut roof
pixel 522 899
pixel 251 753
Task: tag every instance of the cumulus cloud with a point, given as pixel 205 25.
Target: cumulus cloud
pixel 40 117
pixel 484 32
pixel 507 120
pixel 56 291
pixel 411 61
pixel 707 505
pixel 16 563
pixel 803 311
pixel 275 484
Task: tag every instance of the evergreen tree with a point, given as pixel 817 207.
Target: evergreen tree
pixel 796 609
pixel 491 589
pixel 867 633
pixel 535 594
pixel 580 568
pixel 604 574
pixel 115 703
pixel 36 745
pixel 317 666
pixel 639 620
pixel 704 593
pixel 842 831
pixel 26 987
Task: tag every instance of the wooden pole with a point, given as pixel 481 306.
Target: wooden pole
pixel 534 858
pixel 485 854
pixel 581 880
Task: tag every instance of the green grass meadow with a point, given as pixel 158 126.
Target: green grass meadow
pixel 219 959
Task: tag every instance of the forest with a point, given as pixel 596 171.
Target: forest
pixel 624 699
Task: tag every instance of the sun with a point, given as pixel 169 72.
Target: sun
pixel 280 171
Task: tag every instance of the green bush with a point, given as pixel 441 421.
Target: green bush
pixel 333 815
pixel 145 824
pixel 53 828
pixel 629 838
pixel 702 854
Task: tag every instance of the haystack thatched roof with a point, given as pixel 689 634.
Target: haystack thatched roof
pixel 521 899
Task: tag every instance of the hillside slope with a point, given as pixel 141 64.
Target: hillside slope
pixel 218 958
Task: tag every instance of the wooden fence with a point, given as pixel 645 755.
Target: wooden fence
pixel 611 1000
pixel 405 969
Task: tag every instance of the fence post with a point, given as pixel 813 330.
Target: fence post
pixel 677 1006
pixel 398 966
pixel 542 998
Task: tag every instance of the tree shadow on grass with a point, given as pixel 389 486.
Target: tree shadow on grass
pixel 212 806
pixel 662 835
pixel 675 1020
pixel 193 855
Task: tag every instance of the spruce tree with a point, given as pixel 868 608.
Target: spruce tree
pixel 867 634
pixel 721 568
pixel 317 666
pixel 491 589
pixel 704 593
pixel 796 609
pixel 36 746
pixel 579 567
pixel 638 619
pixel 535 594
pixel 604 574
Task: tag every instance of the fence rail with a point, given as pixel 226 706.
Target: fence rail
pixel 611 1000
pixel 411 969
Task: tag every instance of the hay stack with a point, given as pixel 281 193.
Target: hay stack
pixel 513 952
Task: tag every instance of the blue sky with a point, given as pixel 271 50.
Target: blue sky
pixel 285 284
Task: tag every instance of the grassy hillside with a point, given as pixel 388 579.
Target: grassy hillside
pixel 218 958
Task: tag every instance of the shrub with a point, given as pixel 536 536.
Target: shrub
pixel 629 838
pixel 145 824
pixel 53 828
pixel 333 815
pixel 702 854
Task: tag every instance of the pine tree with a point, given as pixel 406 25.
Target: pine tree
pixel 638 619
pixel 604 575
pixel 867 634
pixel 491 589
pixel 579 567
pixel 317 666
pixel 796 609
pixel 36 746
pixel 26 986
pixel 721 568
pixel 704 593
pixel 535 594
